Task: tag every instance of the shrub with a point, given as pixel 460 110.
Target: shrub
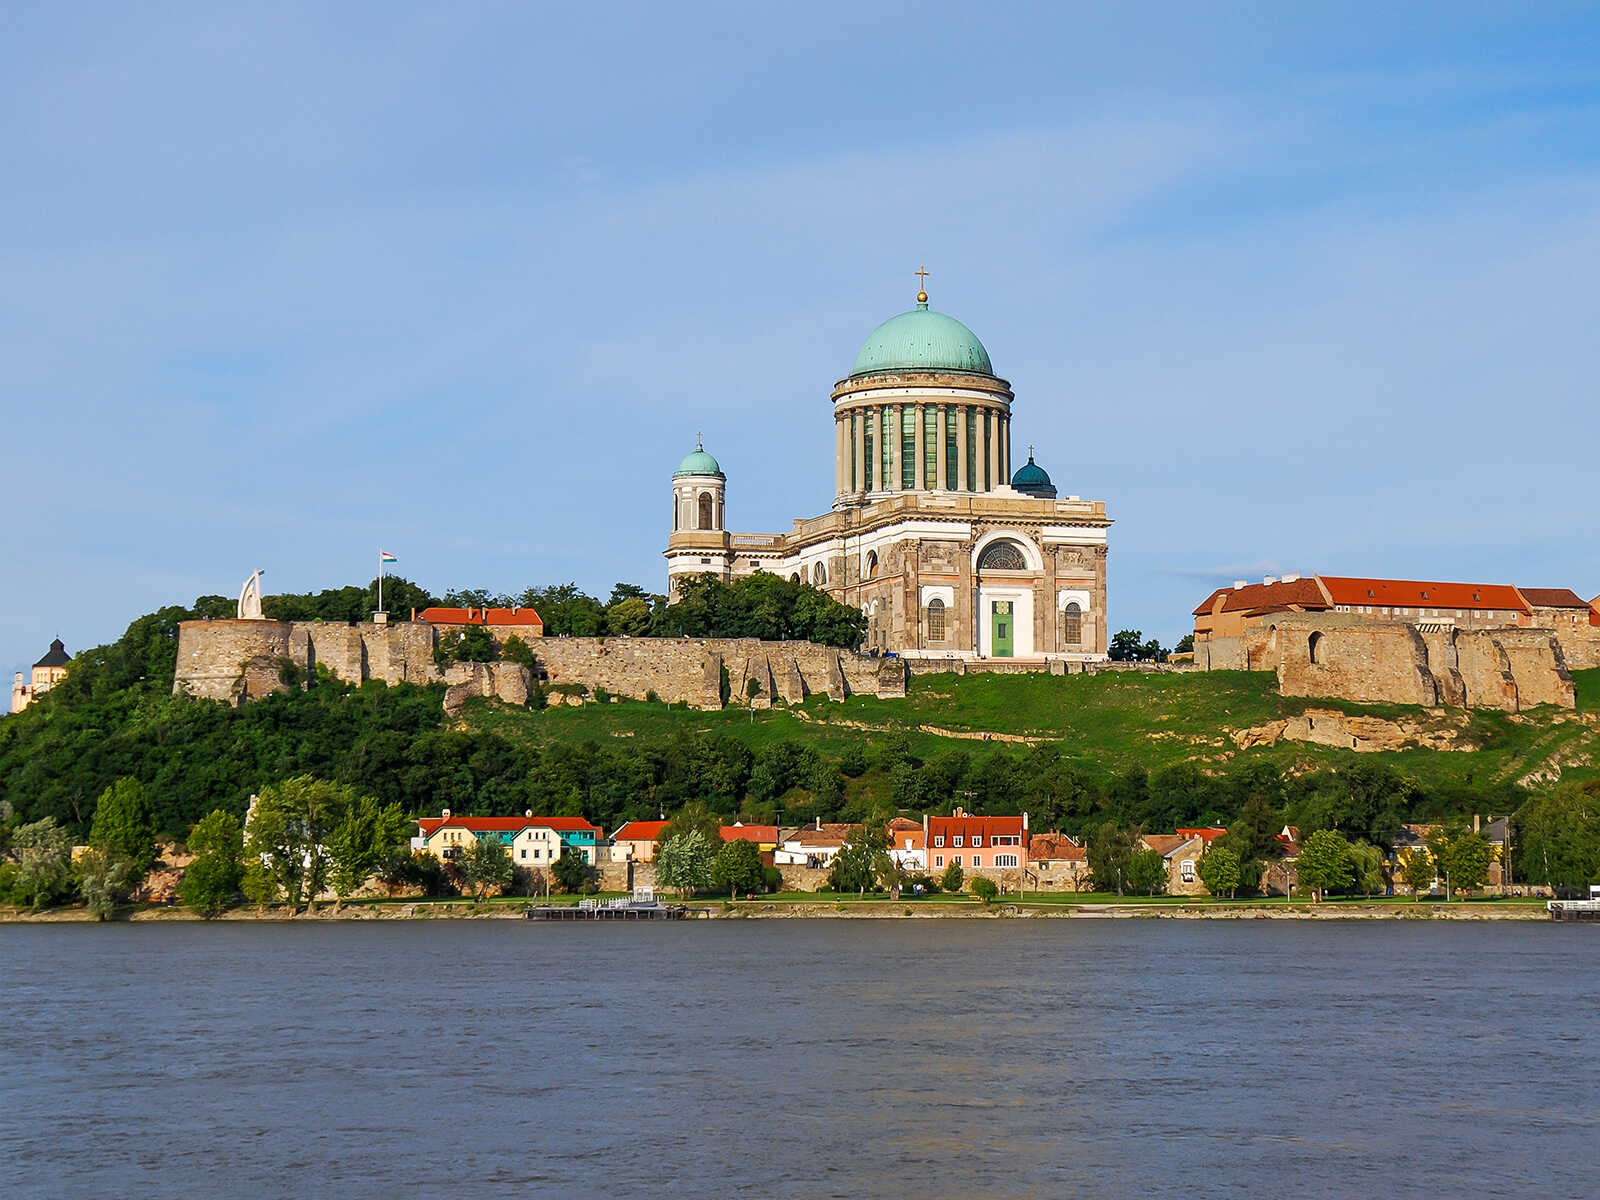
pixel 601 696
pixel 953 878
pixel 650 697
pixel 985 889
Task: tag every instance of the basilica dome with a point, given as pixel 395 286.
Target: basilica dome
pixel 698 462
pixel 921 340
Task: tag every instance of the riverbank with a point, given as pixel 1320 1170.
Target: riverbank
pixel 853 909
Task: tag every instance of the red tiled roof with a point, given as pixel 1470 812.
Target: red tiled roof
pixel 1165 843
pixel 1047 847
pixel 430 825
pixel 481 616
pixel 1265 597
pixel 750 833
pixel 639 831
pixel 966 825
pixel 1553 598
pixel 1206 834
pixel 828 835
pixel 1419 593
pixel 1209 602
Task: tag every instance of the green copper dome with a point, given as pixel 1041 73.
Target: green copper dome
pixel 1033 479
pixel 920 340
pixel 698 462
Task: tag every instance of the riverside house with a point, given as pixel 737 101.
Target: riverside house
pixel 995 847
pixel 635 841
pixel 1058 863
pixel 531 841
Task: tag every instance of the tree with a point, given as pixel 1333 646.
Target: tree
pixel 43 854
pixel 1108 853
pixel 1418 870
pixel 1146 872
pixel 486 865
pixel 985 889
pixel 572 871
pixel 953 878
pixel 693 817
pixel 1185 644
pixel 1127 645
pixel 102 880
pixel 516 650
pixel 124 828
pixel 211 882
pixel 1324 862
pixel 1463 859
pixel 629 617
pixel 737 867
pixel 288 831
pixel 1219 871
pixel 1366 867
pixel 365 837
pixel 683 862
pixel 859 862
pixel 1558 836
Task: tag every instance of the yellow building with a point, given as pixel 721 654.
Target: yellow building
pixel 47 672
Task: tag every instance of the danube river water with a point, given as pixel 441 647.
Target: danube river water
pixel 940 1058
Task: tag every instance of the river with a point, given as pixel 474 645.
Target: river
pixel 938 1058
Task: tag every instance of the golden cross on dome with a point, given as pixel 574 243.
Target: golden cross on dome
pixel 699 443
pixel 1030 451
pixel 922 291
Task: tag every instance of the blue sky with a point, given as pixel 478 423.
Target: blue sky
pixel 1290 290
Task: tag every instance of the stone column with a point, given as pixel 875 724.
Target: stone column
pixel 940 466
pixel 919 468
pixel 981 447
pixel 892 483
pixel 1005 448
pixel 840 471
pixel 961 447
pixel 965 634
pixel 994 450
pixel 858 442
pixel 1102 638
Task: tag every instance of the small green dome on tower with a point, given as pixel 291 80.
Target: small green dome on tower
pixel 921 340
pixel 698 462
pixel 1033 479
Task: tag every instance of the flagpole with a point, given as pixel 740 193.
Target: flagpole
pixel 380 580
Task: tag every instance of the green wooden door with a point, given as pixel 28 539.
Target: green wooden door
pixel 1000 628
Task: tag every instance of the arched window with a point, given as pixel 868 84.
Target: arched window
pixel 794 577
pixel 1002 556
pixel 819 575
pixel 705 511
pixel 1072 625
pixel 936 620
pixel 1314 647
pixel 871 571
pixel 674 512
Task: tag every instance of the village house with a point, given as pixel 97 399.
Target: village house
pixel 531 841
pixel 501 622
pixel 1058 863
pixel 635 841
pixel 765 838
pixel 906 845
pixel 993 847
pixel 812 845
pixel 1180 852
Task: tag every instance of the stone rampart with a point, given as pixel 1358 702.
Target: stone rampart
pixel 1344 656
pixel 234 661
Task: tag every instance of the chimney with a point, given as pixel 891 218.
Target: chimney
pixel 924 826
pixel 819 824
pixel 1476 820
pixel 1290 579
pixel 1238 584
pixel 1268 580
pixel 1024 822
pixel 528 812
pixel 958 812
pixel 445 814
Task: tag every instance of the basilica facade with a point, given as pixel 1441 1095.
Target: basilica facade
pixel 946 549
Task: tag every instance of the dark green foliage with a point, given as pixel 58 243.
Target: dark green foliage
pixel 572 872
pixel 758 606
pixel 953 878
pixel 1558 837
pixel 1108 852
pixel 860 860
pixel 1146 872
pixel 210 883
pixel 124 829
pixel 1128 645
pixel 985 889
pixel 1324 864
pixel 737 867
pixel 1219 871
pixel 487 865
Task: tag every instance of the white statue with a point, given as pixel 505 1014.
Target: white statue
pixel 250 598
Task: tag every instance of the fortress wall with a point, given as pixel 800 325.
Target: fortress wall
pixel 1375 664
pixel 231 660
pixel 1580 646
pixel 1538 666
pixel 1506 668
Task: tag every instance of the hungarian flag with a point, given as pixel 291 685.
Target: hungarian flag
pixel 385 556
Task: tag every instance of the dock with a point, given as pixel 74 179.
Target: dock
pixel 643 906
pixel 1574 910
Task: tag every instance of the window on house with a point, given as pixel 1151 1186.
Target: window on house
pixel 958 860
pixel 936 620
pixel 1005 860
pixel 977 860
pixel 957 840
pixel 938 839
pixel 938 860
pixel 977 839
pixel 524 852
pixel 1186 870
